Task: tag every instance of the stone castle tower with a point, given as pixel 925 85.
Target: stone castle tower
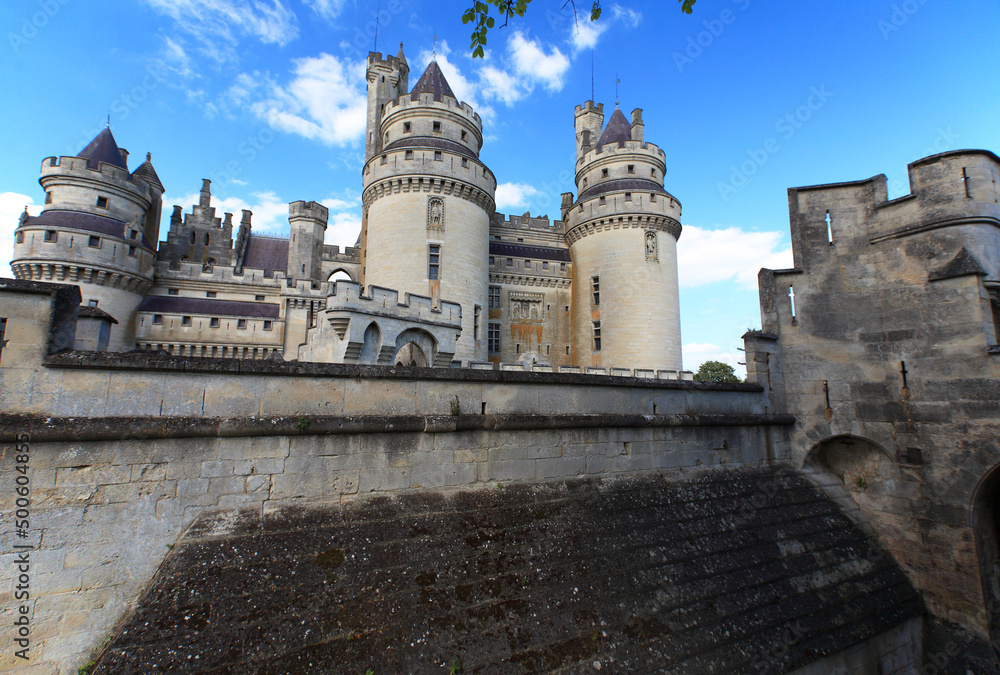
pixel 622 232
pixel 428 199
pixel 98 230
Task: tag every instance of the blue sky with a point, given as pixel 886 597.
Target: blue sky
pixel 266 97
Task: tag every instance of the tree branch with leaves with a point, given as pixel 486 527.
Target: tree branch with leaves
pixel 480 16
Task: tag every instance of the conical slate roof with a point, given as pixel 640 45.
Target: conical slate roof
pixel 617 131
pixel 432 82
pixel 147 173
pixel 103 149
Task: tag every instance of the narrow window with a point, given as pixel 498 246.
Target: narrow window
pixel 493 338
pixel 494 297
pixel 584 182
pixel 207 235
pixel 268 325
pixel 133 234
pixel 597 336
pixel 437 155
pixel 131 251
pixel 631 168
pixel 476 318
pixel 595 288
pixel 20 237
pixel 408 154
pixel 829 229
pixel 406 127
pixel 157 319
pixel 601 200
pixel 48 197
pixel 194 236
pixel 465 162
pixel 94 242
pixel 437 126
pixel 464 135
pixel 527 264
pixel 547 349
pixel 384 160
pixel 93 303
pixel 604 173
pixel 433 261
pixel 567 350
pixel 173 291
pixel 791 301
pixel 517 348
pixel 258 298
pixel 3 330
pixel 185 321
pixel 213 322
pixel 510 262
pixel 102 202
pixel 51 236
pixel 545 264
pixel 965 180
pixel 491 261
pixel 241 324
pixel 628 196
pixel 562 267
pixel 652 196
pixel 211 294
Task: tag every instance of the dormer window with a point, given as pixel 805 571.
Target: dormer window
pixel 131 251
pixel 157 319
pixel 437 127
pixel 102 202
pixel 185 321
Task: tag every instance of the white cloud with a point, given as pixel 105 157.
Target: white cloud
pixel 175 57
pixel 584 34
pixel 11 207
pixel 218 25
pixel 696 353
pixel 514 195
pixel 343 229
pixel 532 62
pixel 270 214
pixel 325 100
pixel 328 9
pixel 705 256
pixel 628 16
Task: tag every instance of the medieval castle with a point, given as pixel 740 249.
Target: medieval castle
pixel 438 277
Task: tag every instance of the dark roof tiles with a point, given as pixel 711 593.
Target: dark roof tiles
pixel 169 304
pixel 432 82
pixel 532 252
pixel 103 149
pixel 88 222
pixel 618 130
pixel 266 253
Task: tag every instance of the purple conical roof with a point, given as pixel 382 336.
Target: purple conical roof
pixel 432 82
pixel 103 149
pixel 617 131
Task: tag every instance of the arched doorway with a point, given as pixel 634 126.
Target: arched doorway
pixel 372 344
pixel 985 523
pixel 415 347
pixel 340 275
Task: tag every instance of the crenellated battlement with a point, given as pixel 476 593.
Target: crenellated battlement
pixel 447 105
pixel 310 210
pixel 348 294
pixel 618 152
pixel 108 174
pixel 589 107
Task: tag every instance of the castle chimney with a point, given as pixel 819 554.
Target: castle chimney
pixel 228 222
pixel 637 126
pixel 206 193
pixel 247 214
pixel 175 217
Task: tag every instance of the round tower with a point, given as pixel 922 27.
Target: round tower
pixel 622 233
pixel 428 200
pixel 98 230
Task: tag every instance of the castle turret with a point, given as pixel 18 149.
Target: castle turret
pixel 428 200
pixel 97 229
pixel 622 231
pixel 305 244
pixel 388 79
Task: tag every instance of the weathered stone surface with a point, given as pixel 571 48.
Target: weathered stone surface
pixel 733 570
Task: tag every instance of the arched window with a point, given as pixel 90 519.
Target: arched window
pixel 194 236
pixel 206 238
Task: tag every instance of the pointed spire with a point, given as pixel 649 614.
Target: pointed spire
pixel 147 173
pixel 618 130
pixel 400 56
pixel 103 148
pixel 24 216
pixel 432 82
